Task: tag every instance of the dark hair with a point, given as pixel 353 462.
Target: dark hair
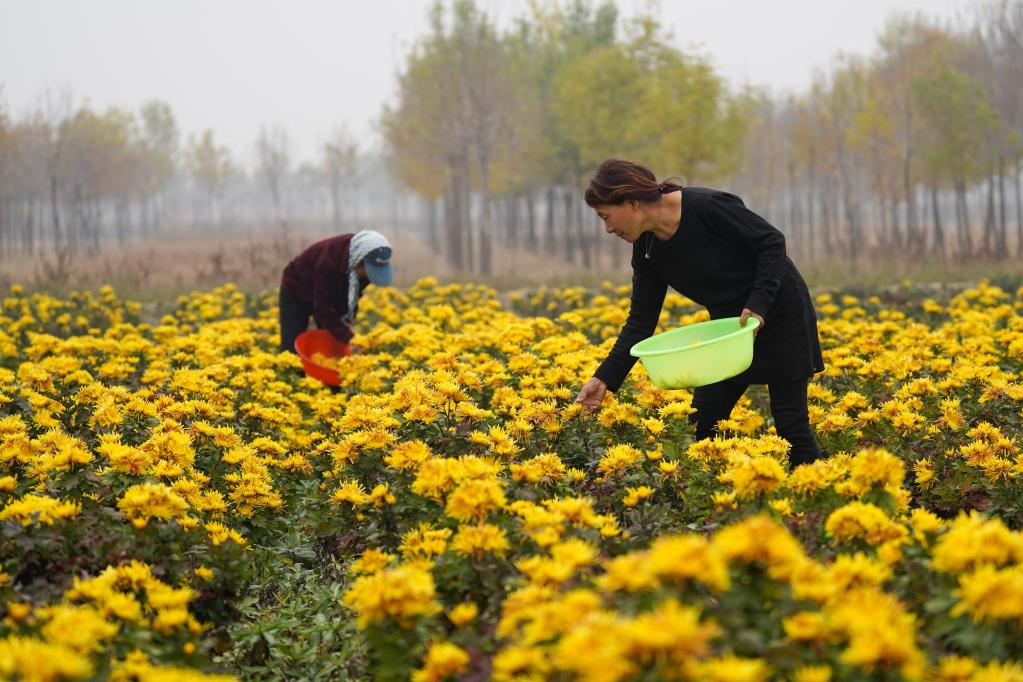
pixel 618 181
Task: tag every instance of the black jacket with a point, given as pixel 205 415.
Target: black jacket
pixel 725 257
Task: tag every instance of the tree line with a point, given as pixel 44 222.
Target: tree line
pixel 74 180
pixel 914 151
pixel 911 152
pixel 499 131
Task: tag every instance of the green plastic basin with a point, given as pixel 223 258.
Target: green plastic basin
pixel 698 354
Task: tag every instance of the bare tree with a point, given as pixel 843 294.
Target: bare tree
pixel 211 170
pixel 56 108
pixel 1001 30
pixel 160 151
pixel 341 171
pixel 274 159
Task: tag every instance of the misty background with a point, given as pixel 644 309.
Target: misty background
pixel 176 146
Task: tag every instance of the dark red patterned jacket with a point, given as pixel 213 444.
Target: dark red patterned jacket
pixel 319 277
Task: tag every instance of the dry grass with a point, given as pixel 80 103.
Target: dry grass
pixel 165 266
pixel 169 265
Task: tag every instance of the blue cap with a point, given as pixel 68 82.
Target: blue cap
pixel 378 266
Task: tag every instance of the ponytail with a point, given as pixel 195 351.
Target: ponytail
pixel 618 181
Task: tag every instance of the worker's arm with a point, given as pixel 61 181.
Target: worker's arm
pixel 648 291
pixel 329 284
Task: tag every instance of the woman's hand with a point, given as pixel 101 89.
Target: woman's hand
pixel 746 314
pixel 592 395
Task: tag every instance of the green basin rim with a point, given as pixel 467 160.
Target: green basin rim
pixel 703 344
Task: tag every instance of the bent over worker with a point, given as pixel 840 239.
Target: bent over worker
pixel 708 246
pixel 326 280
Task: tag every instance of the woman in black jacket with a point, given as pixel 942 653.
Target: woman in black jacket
pixel 708 246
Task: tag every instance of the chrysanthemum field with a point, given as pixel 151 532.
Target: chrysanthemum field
pixel 178 501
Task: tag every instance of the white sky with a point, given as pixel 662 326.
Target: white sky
pixel 310 65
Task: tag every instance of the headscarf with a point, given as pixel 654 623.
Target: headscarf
pixel 361 245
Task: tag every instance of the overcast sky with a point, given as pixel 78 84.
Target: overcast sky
pixel 309 65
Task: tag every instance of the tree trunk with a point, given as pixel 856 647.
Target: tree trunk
pixel 811 230
pixel 486 236
pixel 96 221
pixel 896 241
pixel 584 238
pixel 792 204
pixel 32 220
pixel 882 214
pixel 77 221
pixel 959 221
pixel 486 222
pixel 907 181
pixel 551 199
pixel 568 242
pixel 852 221
pixel 6 228
pixel 1019 211
pixel 430 206
pixel 795 217
pixel 505 234
pixel 825 223
pixel 512 205
pixel 531 244
pixel 989 219
pixel 965 244
pixel 465 222
pixel 1003 231
pixel 55 211
pixel 448 219
pixel 453 222
pixel 834 239
pixel 939 231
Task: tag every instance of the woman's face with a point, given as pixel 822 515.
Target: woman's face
pixel 622 220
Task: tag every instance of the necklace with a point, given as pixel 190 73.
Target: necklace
pixel 650 241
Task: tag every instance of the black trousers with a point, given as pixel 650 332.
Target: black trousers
pixel 788 407
pixel 294 318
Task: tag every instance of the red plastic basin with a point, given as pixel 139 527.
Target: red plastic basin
pixel 320 341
